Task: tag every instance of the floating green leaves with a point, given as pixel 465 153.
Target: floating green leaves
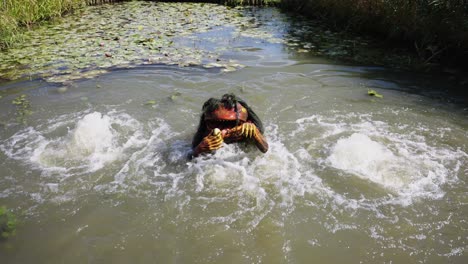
pixel 88 43
pixel 97 39
pixel 174 96
pixel 374 93
pixel 7 223
pixel 150 102
pixel 23 108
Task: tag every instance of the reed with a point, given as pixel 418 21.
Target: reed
pixel 99 2
pixel 233 2
pixel 435 29
pixel 251 2
pixel 15 15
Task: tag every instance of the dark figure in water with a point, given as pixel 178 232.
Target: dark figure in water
pixel 227 120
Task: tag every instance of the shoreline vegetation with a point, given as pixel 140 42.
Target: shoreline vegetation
pixel 16 16
pixel 435 30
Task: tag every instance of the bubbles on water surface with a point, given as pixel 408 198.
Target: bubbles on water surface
pixel 67 148
pixel 117 157
pixel 71 153
pixel 237 185
pixel 256 184
pixel 150 160
pixel 401 159
pixel 368 159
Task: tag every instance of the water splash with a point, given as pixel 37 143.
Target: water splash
pixel 95 141
pixel 368 159
pixel 399 158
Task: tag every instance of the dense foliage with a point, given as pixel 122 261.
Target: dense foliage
pixel 232 2
pixel 17 14
pixel 435 28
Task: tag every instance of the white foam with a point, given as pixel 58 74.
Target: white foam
pixel 149 161
pixel 401 158
pixel 263 181
pixel 93 134
pixel 89 146
pixel 368 159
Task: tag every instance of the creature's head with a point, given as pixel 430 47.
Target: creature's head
pixel 225 113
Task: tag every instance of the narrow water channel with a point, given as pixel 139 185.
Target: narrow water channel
pixel 97 173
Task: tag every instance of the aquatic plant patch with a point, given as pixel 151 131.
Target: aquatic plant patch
pixel 87 44
pixel 23 108
pixel 7 223
pixel 371 92
pixel 101 38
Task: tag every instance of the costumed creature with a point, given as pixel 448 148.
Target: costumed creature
pixel 228 120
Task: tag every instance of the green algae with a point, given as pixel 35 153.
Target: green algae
pixel 23 108
pixel 7 223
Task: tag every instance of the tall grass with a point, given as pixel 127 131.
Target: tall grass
pixel 436 29
pixel 232 2
pixel 15 15
pixel 250 2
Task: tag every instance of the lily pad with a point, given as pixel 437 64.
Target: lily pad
pixel 118 38
pixel 149 32
pixel 374 93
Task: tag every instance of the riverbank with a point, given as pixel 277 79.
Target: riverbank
pixel 18 15
pixel 437 31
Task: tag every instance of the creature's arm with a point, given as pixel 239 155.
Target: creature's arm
pixel 209 143
pixel 247 131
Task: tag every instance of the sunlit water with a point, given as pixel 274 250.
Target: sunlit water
pixel 99 172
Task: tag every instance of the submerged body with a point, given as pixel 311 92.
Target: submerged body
pixel 228 120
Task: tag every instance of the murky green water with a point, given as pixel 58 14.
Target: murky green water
pixel 98 173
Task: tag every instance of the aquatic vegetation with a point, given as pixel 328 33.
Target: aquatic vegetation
pixel 251 2
pixel 15 15
pixel 435 30
pixel 23 107
pixel 129 34
pixel 150 102
pixel 237 2
pixel 183 34
pixel 7 223
pixel 374 93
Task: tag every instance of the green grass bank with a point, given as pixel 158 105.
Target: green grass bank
pixel 437 30
pixel 17 15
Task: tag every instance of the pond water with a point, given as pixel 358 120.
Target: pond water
pixel 96 171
